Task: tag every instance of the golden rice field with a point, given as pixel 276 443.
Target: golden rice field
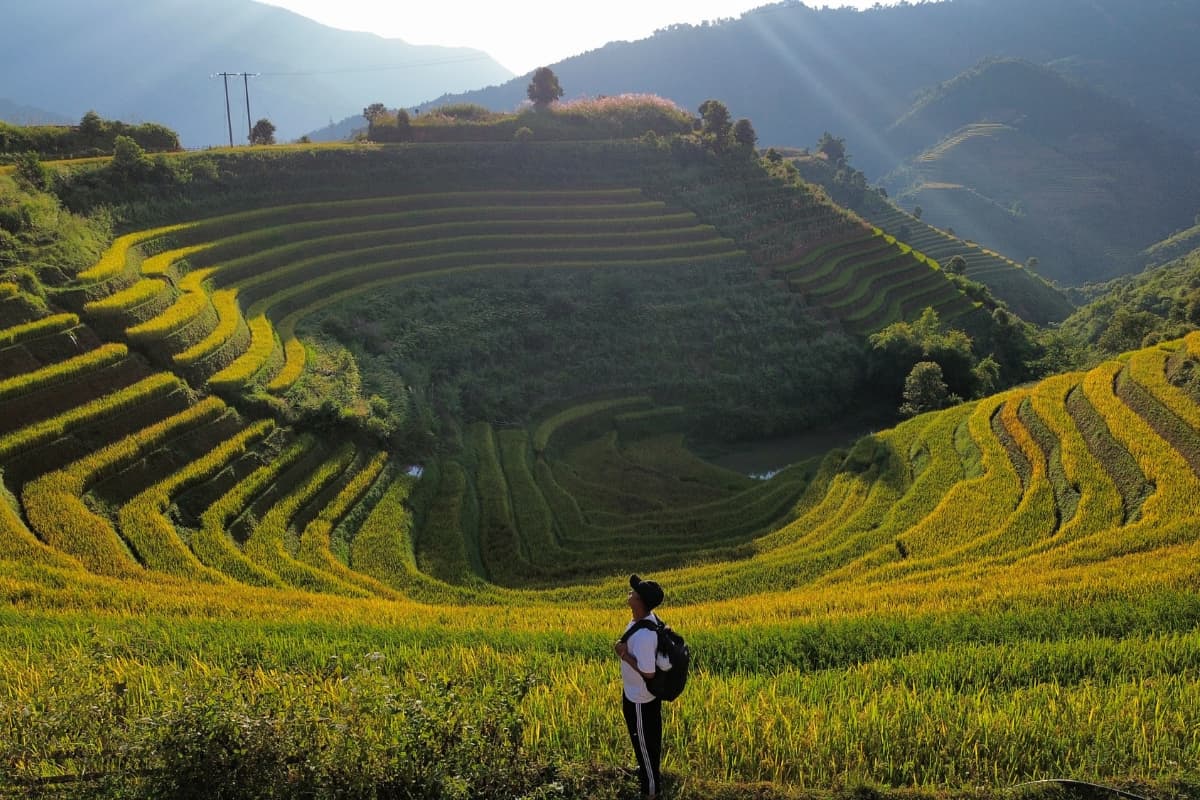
pixel 1000 592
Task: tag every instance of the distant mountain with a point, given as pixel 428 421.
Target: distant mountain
pixel 797 71
pixel 339 131
pixel 29 115
pixel 1019 156
pixel 152 61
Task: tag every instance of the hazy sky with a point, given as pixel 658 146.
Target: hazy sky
pixel 522 34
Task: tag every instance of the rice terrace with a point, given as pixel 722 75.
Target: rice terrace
pixel 325 467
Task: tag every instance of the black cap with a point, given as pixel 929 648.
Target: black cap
pixel 650 592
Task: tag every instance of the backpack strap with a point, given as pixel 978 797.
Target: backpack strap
pixel 640 625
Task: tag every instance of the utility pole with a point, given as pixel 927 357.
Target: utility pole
pixel 246 76
pixel 228 117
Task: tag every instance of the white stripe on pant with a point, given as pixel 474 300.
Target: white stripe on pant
pixel 644 724
pixel 641 728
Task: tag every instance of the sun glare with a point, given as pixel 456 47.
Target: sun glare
pixel 520 35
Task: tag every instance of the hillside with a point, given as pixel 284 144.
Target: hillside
pixel 1178 244
pixel 72 60
pixel 327 468
pixel 1160 303
pixel 28 115
pixel 1018 156
pixel 1026 293
pixel 798 70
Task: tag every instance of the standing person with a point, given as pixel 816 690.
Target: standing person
pixel 638 652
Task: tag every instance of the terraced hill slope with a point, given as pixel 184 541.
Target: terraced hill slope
pixel 1018 179
pixel 1026 293
pixel 1023 159
pixel 941 605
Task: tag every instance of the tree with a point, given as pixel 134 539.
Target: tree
pixel 901 345
pixel 544 89
pixel 129 159
pixel 833 148
pixel 403 124
pixel 957 265
pixel 374 112
pixel 1126 330
pixel 987 376
pixel 1192 307
pixel 715 120
pixel 91 129
pixel 263 132
pixel 918 211
pixel 743 133
pixel 924 389
pixel 31 172
pixel 389 127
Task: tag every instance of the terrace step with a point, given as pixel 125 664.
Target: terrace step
pixel 172 456
pixel 92 434
pixel 38 353
pixel 78 389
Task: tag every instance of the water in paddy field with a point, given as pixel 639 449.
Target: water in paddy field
pixel 763 458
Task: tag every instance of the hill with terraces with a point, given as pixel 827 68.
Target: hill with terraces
pixel 1020 157
pixel 1025 292
pixel 263 563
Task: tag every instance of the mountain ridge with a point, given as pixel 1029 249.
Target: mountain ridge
pixel 1075 178
pixel 798 71
pixel 307 73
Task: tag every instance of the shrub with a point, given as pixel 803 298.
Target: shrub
pixel 352 732
pixel 30 171
pixel 129 159
pixel 471 112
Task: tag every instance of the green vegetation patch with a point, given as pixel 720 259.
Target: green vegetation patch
pixel 496 346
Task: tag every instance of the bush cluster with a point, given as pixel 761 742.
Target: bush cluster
pixel 350 731
pixel 93 136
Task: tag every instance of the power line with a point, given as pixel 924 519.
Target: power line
pixel 382 68
pixel 245 76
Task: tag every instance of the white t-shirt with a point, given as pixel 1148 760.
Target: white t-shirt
pixel 643 646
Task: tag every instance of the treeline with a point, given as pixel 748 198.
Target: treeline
pixel 93 136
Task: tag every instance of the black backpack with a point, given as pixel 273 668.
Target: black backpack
pixel 667 684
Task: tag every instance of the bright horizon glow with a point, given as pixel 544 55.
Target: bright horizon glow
pixel 523 34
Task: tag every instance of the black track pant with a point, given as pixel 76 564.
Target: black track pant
pixel 644 722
